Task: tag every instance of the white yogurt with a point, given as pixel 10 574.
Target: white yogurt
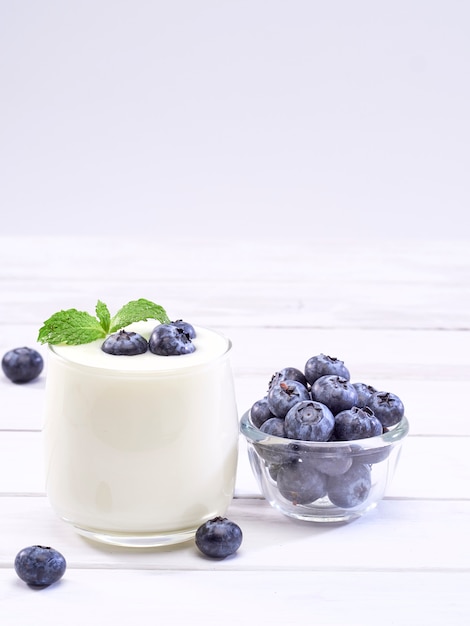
pixel 140 450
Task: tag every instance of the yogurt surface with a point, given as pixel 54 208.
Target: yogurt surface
pixel 209 346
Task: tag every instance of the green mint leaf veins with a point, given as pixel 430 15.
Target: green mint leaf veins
pixel 104 316
pixel 72 327
pixel 138 311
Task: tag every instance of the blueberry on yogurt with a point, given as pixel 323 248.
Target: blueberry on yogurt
pixel 125 343
pixel 170 340
pixel 186 327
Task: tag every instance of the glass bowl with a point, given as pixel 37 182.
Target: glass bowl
pixel 332 481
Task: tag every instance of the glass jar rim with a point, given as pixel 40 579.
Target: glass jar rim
pixel 394 435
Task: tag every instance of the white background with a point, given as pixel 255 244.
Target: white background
pixel 196 117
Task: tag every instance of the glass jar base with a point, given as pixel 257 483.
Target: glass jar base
pixel 323 515
pixel 136 540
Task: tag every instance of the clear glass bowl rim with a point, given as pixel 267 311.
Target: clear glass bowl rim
pixel 396 434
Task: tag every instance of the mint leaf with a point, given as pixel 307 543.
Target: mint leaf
pixel 74 327
pixel 138 311
pixel 71 327
pixel 104 316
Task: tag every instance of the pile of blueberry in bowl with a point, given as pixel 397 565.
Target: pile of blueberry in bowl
pixel 324 448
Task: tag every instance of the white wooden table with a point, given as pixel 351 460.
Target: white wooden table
pixel 398 314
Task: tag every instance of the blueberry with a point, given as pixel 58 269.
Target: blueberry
pixel 125 343
pixel 351 488
pixel 284 394
pixel 260 412
pixel 356 423
pixel 364 392
pixel 271 455
pixel 279 453
pixel 332 461
pixel 186 327
pixel 371 456
pixel 387 407
pixel 323 365
pixel 300 482
pixel 335 391
pixel 39 566
pixel 21 365
pixel 169 340
pixel 288 373
pixel 218 537
pixel 274 426
pixel 309 421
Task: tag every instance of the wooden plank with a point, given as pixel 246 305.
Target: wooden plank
pixel 429 370
pixel 232 302
pixel 22 406
pixel 429 467
pixel 254 260
pixel 388 285
pixel 233 597
pixel 271 541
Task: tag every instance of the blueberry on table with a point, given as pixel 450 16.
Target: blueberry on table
pixel 125 343
pixel 186 327
pixel 324 365
pixel 284 394
pixel 22 365
pixel 351 488
pixel 387 407
pixel 170 340
pixel 39 566
pixel 309 421
pixel 356 423
pixel 218 537
pixel 335 391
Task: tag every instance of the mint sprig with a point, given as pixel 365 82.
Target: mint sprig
pixel 72 327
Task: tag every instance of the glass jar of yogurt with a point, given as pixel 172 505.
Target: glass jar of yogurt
pixel 140 450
